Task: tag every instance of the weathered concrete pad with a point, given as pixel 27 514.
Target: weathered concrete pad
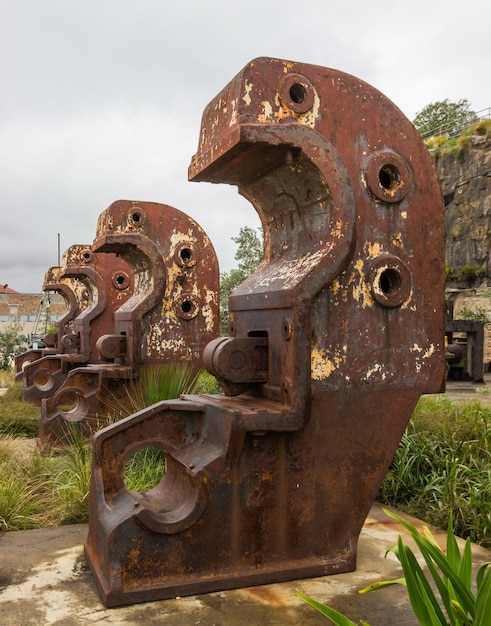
pixel 44 579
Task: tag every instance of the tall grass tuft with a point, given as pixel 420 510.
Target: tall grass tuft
pixel 443 467
pixel 154 384
pixel 16 416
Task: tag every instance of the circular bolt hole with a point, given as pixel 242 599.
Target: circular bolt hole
pixel 298 93
pixel 389 177
pixel 136 217
pixel 145 469
pixel 120 281
pixel 187 306
pixel 390 281
pixel 186 254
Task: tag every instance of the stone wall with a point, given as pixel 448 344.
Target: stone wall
pixel 465 177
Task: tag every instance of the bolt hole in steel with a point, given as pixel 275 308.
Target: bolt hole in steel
pixel 145 469
pixel 120 281
pixel 136 217
pixel 297 93
pixel 388 176
pixel 390 281
pixel 187 307
pixel 185 255
pixel 86 256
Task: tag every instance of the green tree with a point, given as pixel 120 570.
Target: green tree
pixel 11 343
pixel 444 118
pixel 249 254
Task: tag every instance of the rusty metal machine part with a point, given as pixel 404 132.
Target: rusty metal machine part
pixel 92 279
pixel 170 317
pixel 332 341
pixel 67 288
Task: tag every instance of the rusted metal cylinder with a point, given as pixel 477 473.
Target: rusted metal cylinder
pixel 274 480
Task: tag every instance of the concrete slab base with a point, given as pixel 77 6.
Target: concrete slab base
pixel 44 580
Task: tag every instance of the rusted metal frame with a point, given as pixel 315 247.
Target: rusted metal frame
pixel 52 282
pixel 135 232
pixel 288 479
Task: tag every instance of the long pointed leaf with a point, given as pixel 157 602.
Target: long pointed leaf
pixel 381 584
pixel 430 552
pixel 465 570
pixel 480 574
pixel 336 618
pixel 422 598
pixel 483 601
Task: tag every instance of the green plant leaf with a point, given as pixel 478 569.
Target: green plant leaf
pixel 460 614
pixel 432 554
pixel 336 618
pixel 483 599
pixel 480 574
pixel 381 584
pixel 423 601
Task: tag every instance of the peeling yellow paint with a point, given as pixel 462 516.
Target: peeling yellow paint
pixel 267 115
pixel 404 215
pixel 247 95
pixel 322 366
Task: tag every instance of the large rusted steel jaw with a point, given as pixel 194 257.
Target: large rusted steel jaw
pixel 75 302
pixel 101 282
pixel 332 341
pixel 170 317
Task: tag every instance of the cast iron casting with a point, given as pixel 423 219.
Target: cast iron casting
pixel 105 281
pixel 170 317
pixel 332 341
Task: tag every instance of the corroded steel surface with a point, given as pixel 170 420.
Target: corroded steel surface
pixel 332 341
pixel 99 283
pixel 170 317
pixel 76 301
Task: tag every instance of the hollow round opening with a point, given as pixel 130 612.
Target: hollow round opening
pixel 145 469
pixel 120 279
pixel 298 93
pixel 390 281
pixel 42 378
pixel 389 177
pixel 185 254
pixel 68 402
pixel 187 306
pixel 136 217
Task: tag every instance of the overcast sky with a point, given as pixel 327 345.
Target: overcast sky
pixel 102 99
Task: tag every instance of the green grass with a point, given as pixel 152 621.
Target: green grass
pixel 443 466
pixel 16 416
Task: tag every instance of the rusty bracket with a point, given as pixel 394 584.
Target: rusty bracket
pixel 87 274
pixel 170 317
pixel 332 340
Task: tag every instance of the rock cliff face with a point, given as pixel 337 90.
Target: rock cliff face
pixel 465 177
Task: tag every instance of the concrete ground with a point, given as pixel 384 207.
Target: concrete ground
pixel 45 580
